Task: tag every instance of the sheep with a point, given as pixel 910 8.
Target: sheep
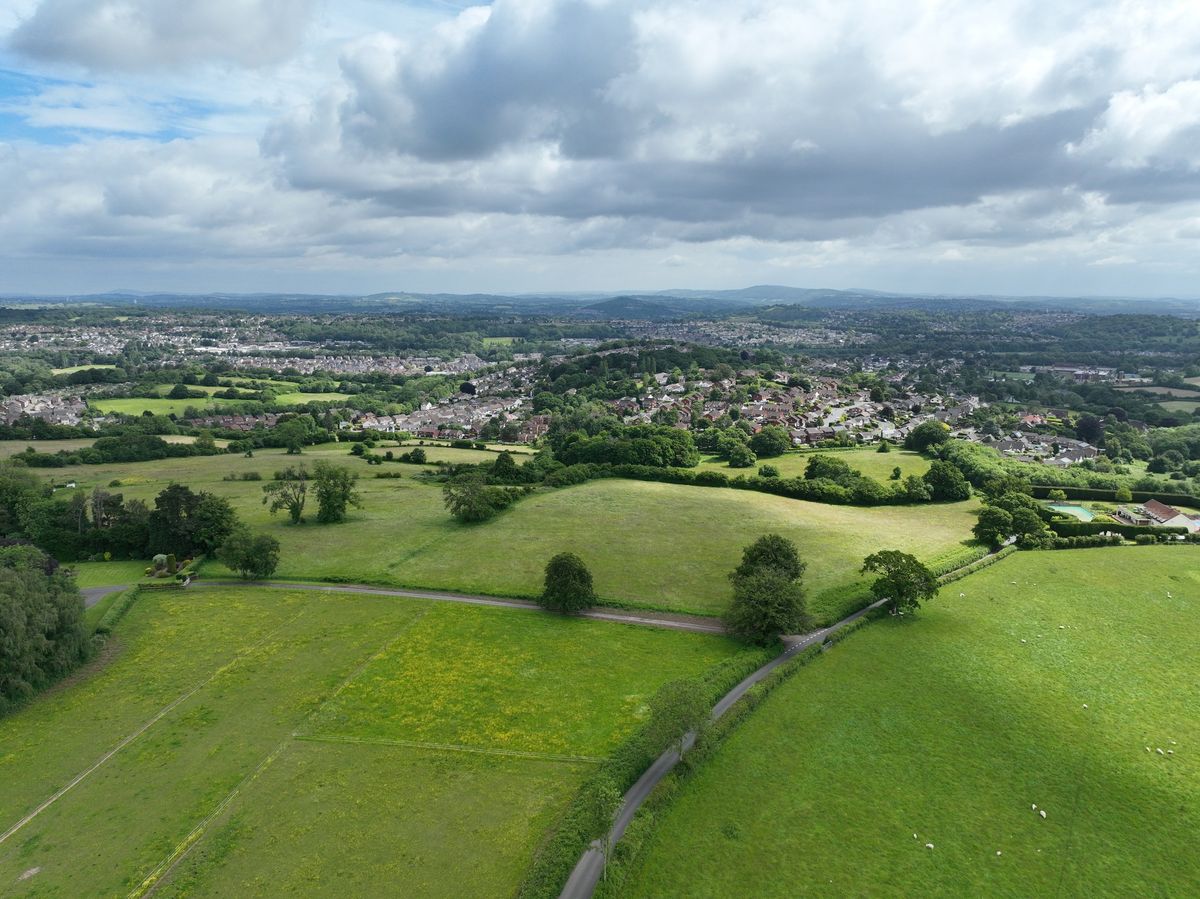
pixel 1042 813
pixel 929 845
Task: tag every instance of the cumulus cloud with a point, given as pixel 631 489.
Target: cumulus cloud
pixel 823 134
pixel 135 35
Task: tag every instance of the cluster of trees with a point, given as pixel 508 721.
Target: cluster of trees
pixel 130 448
pixel 653 445
pixel 335 488
pixel 42 632
pixel 740 446
pixel 77 524
pixel 1012 513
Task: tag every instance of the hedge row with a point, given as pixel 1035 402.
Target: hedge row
pixel 1094 493
pixel 117 610
pixel 951 576
pixel 558 854
pixel 1075 528
pixel 951 561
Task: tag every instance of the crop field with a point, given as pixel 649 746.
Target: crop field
pixel 1050 684
pixel 871 463
pixel 647 544
pixel 241 739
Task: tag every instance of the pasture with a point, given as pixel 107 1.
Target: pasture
pixel 1053 682
pixel 1180 392
pixel 299 399
pixel 867 460
pixel 261 740
pixel 648 544
pixel 1188 407
pixel 70 370
pixel 12 447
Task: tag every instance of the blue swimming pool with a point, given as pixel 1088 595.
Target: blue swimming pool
pixel 1078 511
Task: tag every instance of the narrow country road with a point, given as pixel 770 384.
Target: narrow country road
pixel 694 623
pixel 92 595
pixel 585 876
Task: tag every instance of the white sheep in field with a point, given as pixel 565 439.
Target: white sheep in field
pixel 1042 813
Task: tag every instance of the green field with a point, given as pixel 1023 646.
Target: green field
pixel 297 742
pixel 12 447
pixel 1182 392
pixel 298 399
pixel 498 341
pixel 1186 406
pixel 137 405
pixel 1043 685
pixel 76 368
pixel 871 463
pixel 648 544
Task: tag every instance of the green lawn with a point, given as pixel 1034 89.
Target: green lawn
pixel 295 741
pixel 648 544
pixel 1043 685
pixel 107 574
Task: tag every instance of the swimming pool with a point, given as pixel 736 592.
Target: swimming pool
pixel 1078 511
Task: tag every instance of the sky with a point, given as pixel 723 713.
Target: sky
pixel 356 146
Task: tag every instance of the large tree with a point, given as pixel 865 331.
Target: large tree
pixel 568 584
pixel 771 441
pixel 335 489
pixel 252 556
pixel 903 580
pixel 946 482
pixel 995 525
pixel 927 434
pixel 767 597
pixel 678 708
pixel 42 632
pixel 289 491
pixel 185 523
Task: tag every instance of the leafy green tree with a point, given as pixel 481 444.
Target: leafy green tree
pixel 505 470
pixel 823 465
pixel 335 489
pixel 678 708
pixel 741 456
pixel 292 434
pixel 994 526
pixel 771 551
pixel 916 490
pixel 768 471
pixel 885 446
pixel 185 522
pixel 179 392
pixel 42 631
pixel 1124 495
pixel 1057 496
pixel 568 585
pixel 903 580
pixel 469 498
pixel 288 492
pixel 896 474
pixel 252 556
pixel 600 800
pixel 1027 521
pixel 766 604
pixel 927 434
pixel 771 441
pixel 946 482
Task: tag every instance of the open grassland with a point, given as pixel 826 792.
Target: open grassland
pixel 647 544
pixel 275 741
pixel 1043 685
pixel 137 405
pixel 1181 392
pixel 77 368
pixel 299 399
pixel 871 463
pixel 1185 406
pixel 12 447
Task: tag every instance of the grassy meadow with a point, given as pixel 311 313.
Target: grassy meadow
pixel 1051 679
pixel 647 544
pixel 287 741
pixel 870 462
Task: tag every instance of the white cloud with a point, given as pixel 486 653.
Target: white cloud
pixel 134 35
